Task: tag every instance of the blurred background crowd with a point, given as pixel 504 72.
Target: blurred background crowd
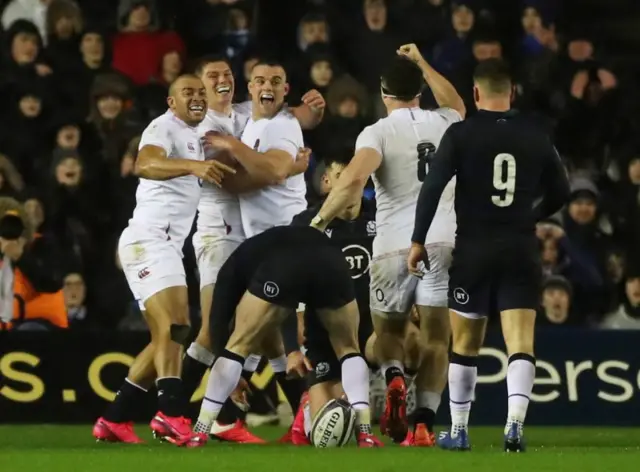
pixel 80 79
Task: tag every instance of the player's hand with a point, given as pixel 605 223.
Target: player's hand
pixel 240 394
pixel 213 171
pixel 417 254
pixel 301 164
pixel 411 52
pixel 314 100
pixel 218 141
pixel 298 365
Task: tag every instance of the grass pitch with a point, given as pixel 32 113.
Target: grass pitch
pixel 51 448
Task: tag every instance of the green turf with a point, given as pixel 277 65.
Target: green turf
pixel 71 449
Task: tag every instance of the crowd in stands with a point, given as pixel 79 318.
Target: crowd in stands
pixel 80 79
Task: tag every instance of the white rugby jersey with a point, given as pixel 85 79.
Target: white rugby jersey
pixel 396 138
pixel 218 209
pixel 167 208
pixel 275 205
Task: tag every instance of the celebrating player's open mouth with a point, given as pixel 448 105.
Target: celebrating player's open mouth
pixel 224 90
pixel 267 100
pixel 197 109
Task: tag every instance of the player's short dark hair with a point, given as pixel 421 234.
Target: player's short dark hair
pixel 339 155
pixel 200 64
pixel 494 74
pixel 402 79
pixel 270 63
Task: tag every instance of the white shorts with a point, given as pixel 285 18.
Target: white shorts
pixel 212 250
pixel 150 264
pixel 393 290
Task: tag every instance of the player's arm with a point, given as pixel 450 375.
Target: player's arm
pixel 441 170
pixel 243 181
pixel 153 163
pixel 444 92
pixel 555 183
pixel 310 113
pixel 347 191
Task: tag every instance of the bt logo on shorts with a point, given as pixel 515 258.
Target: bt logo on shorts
pixel 358 258
pixel 271 289
pixel 322 369
pixel 143 273
pixel 460 296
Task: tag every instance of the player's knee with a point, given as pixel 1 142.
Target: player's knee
pixel 179 333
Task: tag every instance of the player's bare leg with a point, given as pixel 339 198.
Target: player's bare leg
pixel 390 328
pixel 116 425
pixel 342 326
pixel 293 388
pixel 468 331
pixel 255 319
pixel 199 356
pixel 169 325
pixel 435 331
pixel 518 331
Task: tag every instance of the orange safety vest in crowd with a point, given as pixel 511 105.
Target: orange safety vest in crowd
pixel 31 305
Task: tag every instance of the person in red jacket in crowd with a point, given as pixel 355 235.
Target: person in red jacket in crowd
pixel 140 45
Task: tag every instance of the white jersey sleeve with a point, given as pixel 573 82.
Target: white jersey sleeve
pixel 450 115
pixel 283 135
pixel 368 138
pixel 157 134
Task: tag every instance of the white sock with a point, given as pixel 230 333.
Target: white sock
pixel 251 362
pixel 307 418
pixel 201 354
pixel 355 383
pixel 430 400
pixel 223 379
pixel 462 383
pixel 520 376
pixel 279 364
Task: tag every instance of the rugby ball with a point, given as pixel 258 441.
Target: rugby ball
pixel 333 425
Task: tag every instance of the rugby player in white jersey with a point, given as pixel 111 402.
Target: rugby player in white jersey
pixel 395 151
pixel 267 153
pixel 219 227
pixel 171 166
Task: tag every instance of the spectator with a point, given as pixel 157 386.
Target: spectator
pixel 428 22
pixel 153 96
pixel 347 105
pixel 93 62
pixel 587 246
pixel 627 316
pixel 556 301
pixel 11 183
pixel 64 25
pixel 31 272
pixel 22 61
pixel 34 11
pixel 23 136
pixel 623 198
pixel 372 45
pixel 139 46
pixel 586 126
pixel 313 34
pixel 322 70
pixel 111 124
pixel 456 49
pixel 75 292
pixel 237 36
